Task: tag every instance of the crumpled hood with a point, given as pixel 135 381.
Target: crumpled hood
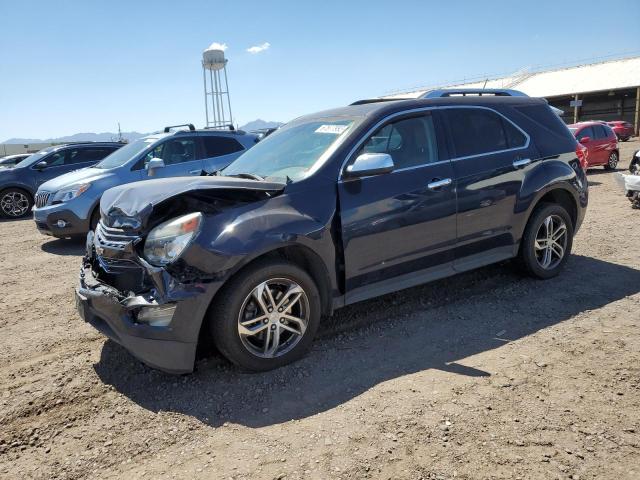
pixel 83 175
pixel 129 206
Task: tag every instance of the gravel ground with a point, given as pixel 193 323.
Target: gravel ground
pixel 484 375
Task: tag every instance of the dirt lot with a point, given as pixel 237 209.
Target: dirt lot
pixel 485 375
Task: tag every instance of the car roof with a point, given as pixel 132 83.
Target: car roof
pixel 385 106
pixel 87 144
pixel 588 123
pixel 200 131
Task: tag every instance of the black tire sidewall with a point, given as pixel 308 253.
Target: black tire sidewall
pixel 95 218
pixel 25 193
pixel 527 248
pixel 608 164
pixel 223 315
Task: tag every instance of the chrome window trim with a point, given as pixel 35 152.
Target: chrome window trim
pixel 386 119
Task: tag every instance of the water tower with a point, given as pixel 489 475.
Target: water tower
pixel 217 103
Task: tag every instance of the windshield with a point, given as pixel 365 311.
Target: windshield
pixel 291 152
pixel 573 130
pixel 126 153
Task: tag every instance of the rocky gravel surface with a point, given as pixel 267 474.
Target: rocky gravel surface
pixel 485 375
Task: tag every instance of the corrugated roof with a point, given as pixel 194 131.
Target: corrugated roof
pixel 595 77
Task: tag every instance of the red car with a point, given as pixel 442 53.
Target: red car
pixel 600 141
pixel 623 130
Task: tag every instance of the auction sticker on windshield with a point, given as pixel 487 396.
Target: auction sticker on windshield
pixel 333 129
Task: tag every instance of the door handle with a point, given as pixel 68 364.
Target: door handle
pixel 436 183
pixel 521 162
pixel 193 172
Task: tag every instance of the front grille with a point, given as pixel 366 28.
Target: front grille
pixel 42 198
pixel 113 237
pixel 115 264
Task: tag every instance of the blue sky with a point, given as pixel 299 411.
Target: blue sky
pixel 77 66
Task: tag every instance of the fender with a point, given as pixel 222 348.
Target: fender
pixel 557 174
pixel 280 224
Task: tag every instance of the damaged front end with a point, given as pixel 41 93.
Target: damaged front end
pixel 147 280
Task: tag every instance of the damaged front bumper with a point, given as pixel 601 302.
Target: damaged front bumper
pixel 159 324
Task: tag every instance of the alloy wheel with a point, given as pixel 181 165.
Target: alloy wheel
pixel 613 160
pixel 273 318
pixel 14 204
pixel 551 242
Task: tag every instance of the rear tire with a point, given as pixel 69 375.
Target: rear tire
pixel 612 161
pixel 547 241
pixel 15 203
pixel 256 325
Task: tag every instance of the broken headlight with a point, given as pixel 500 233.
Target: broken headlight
pixel 168 240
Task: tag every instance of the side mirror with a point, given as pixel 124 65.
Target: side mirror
pixel 585 140
pixel 370 164
pixel 153 165
pixel 41 165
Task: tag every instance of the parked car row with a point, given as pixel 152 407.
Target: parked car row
pixel 68 204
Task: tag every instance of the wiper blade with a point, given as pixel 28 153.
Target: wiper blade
pixel 250 176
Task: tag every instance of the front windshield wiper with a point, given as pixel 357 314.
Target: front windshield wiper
pixel 250 176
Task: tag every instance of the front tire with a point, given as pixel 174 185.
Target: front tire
pixel 266 316
pixel 547 241
pixel 612 162
pixel 15 203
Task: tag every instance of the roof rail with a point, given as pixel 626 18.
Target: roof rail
pixel 230 127
pixel 376 100
pixel 190 125
pixel 494 92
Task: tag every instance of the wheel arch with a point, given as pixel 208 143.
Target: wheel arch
pixel 561 197
pixel 19 186
pixel 296 253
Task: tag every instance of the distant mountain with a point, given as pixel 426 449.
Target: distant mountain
pixel 110 136
pixel 80 137
pixel 258 124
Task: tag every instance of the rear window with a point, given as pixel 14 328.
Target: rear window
pixel 477 131
pixel 218 146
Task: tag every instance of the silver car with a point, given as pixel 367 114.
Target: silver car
pixel 68 205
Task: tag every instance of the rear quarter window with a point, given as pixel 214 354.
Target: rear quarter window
pixel 549 134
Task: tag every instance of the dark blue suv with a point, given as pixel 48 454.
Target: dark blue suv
pixel 331 209
pixel 19 184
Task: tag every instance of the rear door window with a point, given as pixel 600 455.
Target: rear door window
pixel 477 131
pixel 215 146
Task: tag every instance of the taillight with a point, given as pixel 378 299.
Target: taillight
pixel 581 153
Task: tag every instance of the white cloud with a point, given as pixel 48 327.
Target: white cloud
pixel 259 48
pixel 218 46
